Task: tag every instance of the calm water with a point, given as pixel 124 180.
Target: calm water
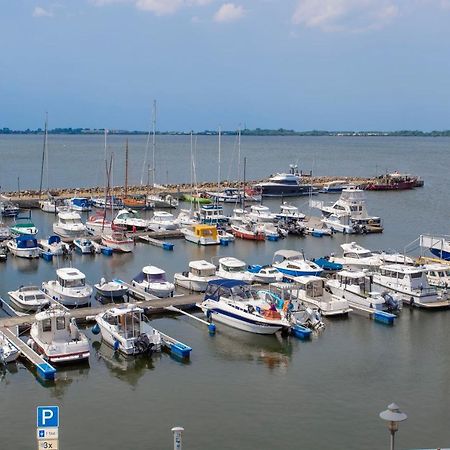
pixel 239 390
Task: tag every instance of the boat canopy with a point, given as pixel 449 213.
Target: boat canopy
pixel 54 240
pixel 225 287
pixel 26 241
pixel 288 254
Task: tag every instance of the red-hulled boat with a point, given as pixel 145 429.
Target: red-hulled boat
pixel 248 231
pixel 393 182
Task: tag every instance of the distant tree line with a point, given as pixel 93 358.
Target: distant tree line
pixel 244 132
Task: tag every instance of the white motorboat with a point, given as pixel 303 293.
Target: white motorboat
pixel 357 257
pixel 261 214
pixel 84 246
pixel 289 213
pixel 130 220
pixel 8 352
pixel 153 280
pixel 111 289
pixel 127 330
pixel 340 223
pixel 411 285
pixel 313 291
pixel 197 277
pixel 284 185
pixel 53 245
pixel 82 204
pixel 29 298
pixel 352 202
pixel 238 217
pixel 356 288
pixel 118 241
pixel 24 247
pixel 69 225
pixel 50 205
pixel 8 209
pixel 162 201
pixel 294 264
pixel 110 202
pixel 228 195
pixel 334 187
pixel 225 235
pixel 56 336
pixel 97 224
pixel 265 274
pixel 438 275
pixel 69 288
pixel 232 268
pixel 186 218
pixel 162 220
pixel 249 230
pixel 233 303
pixel 201 234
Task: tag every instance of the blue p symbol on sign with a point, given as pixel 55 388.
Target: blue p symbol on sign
pixel 47 416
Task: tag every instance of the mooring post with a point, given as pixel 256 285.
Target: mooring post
pixel 177 443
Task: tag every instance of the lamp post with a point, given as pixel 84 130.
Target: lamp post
pixel 393 416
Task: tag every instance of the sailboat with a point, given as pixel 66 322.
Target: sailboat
pixel 131 201
pixel 156 200
pixel 49 204
pixel 115 239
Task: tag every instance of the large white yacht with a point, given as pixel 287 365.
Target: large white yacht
pixel 130 220
pixel 284 185
pixel 352 202
pixel 162 221
pixel 234 269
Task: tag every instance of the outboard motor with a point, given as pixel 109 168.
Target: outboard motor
pixel 143 344
pixel 391 302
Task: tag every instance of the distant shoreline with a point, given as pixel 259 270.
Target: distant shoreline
pixel 245 132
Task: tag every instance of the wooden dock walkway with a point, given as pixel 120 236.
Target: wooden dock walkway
pixel 153 305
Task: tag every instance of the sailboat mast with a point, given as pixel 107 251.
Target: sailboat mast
pixel 154 142
pixel 243 188
pixel 239 154
pixel 44 150
pixel 126 169
pixel 218 170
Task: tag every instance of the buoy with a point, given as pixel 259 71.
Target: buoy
pixel 212 328
pixel 95 329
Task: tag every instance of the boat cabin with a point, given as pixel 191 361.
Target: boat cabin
pixel 212 214
pixel 69 218
pixel 358 279
pixel 24 241
pixel 202 268
pixel 230 264
pixel 438 275
pixel 55 326
pixel 355 251
pixel 313 286
pixel 127 320
pixel 151 274
pixel 412 277
pixel 70 278
pixel 205 231
pixel 287 255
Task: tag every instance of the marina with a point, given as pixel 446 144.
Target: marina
pixel 177 318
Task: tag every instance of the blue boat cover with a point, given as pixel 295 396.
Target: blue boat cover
pixel 54 240
pixel 327 265
pixel 26 241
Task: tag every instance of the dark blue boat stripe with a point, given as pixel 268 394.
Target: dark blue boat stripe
pixel 243 319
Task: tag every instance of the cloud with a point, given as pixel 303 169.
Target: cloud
pixel 42 12
pixel 229 12
pixel 345 15
pixel 157 7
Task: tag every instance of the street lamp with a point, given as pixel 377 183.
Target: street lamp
pixel 393 415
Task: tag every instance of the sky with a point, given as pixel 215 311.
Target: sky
pixel 295 64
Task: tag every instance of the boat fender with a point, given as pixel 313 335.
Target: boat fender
pixel 30 343
pixel 116 345
pixel 95 329
pixel 411 301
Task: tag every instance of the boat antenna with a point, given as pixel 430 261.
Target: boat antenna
pixel 153 142
pixel 218 169
pixel 44 150
pixel 243 187
pixel 126 168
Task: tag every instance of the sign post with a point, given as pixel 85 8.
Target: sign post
pixel 47 427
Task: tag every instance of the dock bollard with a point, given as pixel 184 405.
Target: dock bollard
pixel 177 443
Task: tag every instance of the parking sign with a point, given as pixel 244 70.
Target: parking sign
pixel 47 416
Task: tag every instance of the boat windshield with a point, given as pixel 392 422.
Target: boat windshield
pixel 243 293
pixel 203 272
pixel 156 278
pixel 233 268
pixel 69 221
pixel 80 282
